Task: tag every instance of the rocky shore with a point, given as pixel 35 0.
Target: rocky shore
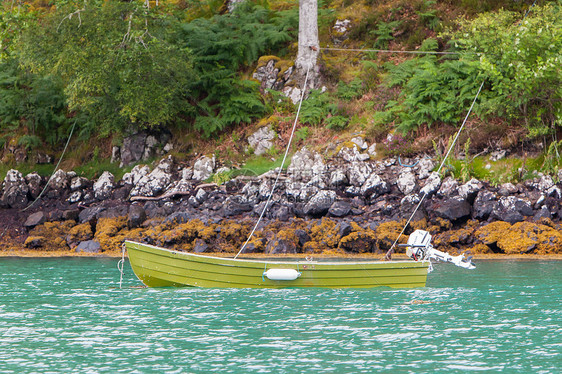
pixel 347 204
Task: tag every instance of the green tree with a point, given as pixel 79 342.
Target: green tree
pixel 521 61
pixel 116 63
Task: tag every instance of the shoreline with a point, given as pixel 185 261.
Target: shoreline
pixel 117 254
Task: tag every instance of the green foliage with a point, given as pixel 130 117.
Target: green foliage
pixel 521 61
pixel 316 108
pixel 433 91
pixel 29 141
pixel 353 90
pixel 221 178
pixel 36 101
pixel 551 163
pixel 116 64
pixel 337 122
pixel 385 33
pixel 302 133
pixel 466 172
pixel 428 15
pixel 220 46
pixel 14 19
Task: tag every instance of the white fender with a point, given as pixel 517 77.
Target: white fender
pixel 282 274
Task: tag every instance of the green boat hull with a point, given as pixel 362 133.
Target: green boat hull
pixel 160 267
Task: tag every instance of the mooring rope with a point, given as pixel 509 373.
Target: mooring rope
pixel 54 171
pixel 121 264
pixel 388 254
pixel 281 167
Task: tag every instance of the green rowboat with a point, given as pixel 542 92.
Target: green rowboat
pixel 160 267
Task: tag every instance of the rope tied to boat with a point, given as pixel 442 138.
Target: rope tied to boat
pixel 280 168
pixel 54 171
pixel 388 254
pixel 121 264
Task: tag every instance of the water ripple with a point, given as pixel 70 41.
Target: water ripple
pixel 504 316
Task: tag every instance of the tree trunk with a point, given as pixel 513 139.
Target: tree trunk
pixel 307 56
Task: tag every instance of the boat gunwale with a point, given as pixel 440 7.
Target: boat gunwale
pixel 274 261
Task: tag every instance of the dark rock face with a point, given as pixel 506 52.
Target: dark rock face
pixel 200 246
pixel 90 214
pixel 281 246
pixel 89 246
pixel 179 217
pixel 233 208
pixel 340 209
pixel 451 209
pixel 133 148
pixel 302 236
pixel 35 219
pixel 136 216
pixel 70 214
pixel 512 209
pixel 484 205
pixel 320 203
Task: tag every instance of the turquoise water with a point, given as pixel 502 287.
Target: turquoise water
pixel 68 315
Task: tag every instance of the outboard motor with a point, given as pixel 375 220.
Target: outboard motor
pixel 419 248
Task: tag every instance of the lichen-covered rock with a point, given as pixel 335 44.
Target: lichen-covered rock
pixel 432 184
pixel 352 154
pixel 512 209
pixel 406 182
pixel 59 181
pixel 104 186
pixel 79 183
pixel 507 189
pixel 425 167
pixel 273 73
pixel 484 205
pixel 262 140
pixel 157 181
pixel 374 186
pixel 338 178
pixel 320 203
pixel 469 190
pixel 203 168
pixel 449 187
pixel 15 190
pixel 359 240
pixel 305 165
pixel 358 172
pixel 521 237
pixel 135 175
pixel 34 184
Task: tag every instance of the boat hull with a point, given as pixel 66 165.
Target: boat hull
pixel 160 267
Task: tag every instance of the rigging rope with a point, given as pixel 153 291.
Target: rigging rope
pixel 281 167
pixel 388 254
pixel 391 51
pixel 54 171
